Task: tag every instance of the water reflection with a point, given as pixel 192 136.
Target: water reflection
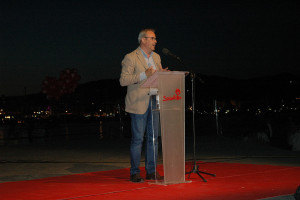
pixel 1 136
pixel 48 130
pixel 280 130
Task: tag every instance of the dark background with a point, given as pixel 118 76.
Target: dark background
pixel 233 39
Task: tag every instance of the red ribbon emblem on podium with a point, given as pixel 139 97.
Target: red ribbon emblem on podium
pixel 174 97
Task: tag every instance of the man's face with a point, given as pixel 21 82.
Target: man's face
pixel 149 41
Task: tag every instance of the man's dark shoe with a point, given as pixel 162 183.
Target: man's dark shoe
pixel 136 178
pixel 153 177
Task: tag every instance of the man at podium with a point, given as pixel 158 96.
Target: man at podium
pixel 140 102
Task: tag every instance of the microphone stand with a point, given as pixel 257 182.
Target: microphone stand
pixel 195 168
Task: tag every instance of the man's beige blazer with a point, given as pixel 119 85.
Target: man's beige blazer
pixel 137 98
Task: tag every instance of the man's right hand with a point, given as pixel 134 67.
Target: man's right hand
pixel 150 71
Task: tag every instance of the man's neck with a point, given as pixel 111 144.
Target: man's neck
pixel 148 53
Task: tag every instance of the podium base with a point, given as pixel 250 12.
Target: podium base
pixel 161 182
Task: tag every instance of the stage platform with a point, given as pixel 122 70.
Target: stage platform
pixel 90 168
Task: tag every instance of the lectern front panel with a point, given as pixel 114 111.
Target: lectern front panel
pixel 171 89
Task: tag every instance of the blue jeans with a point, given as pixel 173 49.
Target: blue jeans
pixel 140 124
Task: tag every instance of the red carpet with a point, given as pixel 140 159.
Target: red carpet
pixel 233 181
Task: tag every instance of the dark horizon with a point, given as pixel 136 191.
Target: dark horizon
pixel 232 39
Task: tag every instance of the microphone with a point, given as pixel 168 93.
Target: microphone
pixel 167 52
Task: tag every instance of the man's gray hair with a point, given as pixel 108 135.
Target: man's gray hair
pixel 143 33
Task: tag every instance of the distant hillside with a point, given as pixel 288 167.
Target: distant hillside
pixel 109 91
pixel 279 86
pixel 105 91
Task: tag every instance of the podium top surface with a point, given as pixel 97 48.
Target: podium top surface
pixel 152 81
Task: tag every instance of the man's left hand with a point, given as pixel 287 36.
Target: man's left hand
pixel 165 69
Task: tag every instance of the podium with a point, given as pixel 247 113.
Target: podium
pixel 171 91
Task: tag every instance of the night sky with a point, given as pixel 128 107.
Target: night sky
pixel 237 39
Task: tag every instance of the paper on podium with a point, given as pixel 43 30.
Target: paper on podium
pixel 152 81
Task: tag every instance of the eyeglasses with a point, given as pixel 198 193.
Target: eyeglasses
pixel 152 38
